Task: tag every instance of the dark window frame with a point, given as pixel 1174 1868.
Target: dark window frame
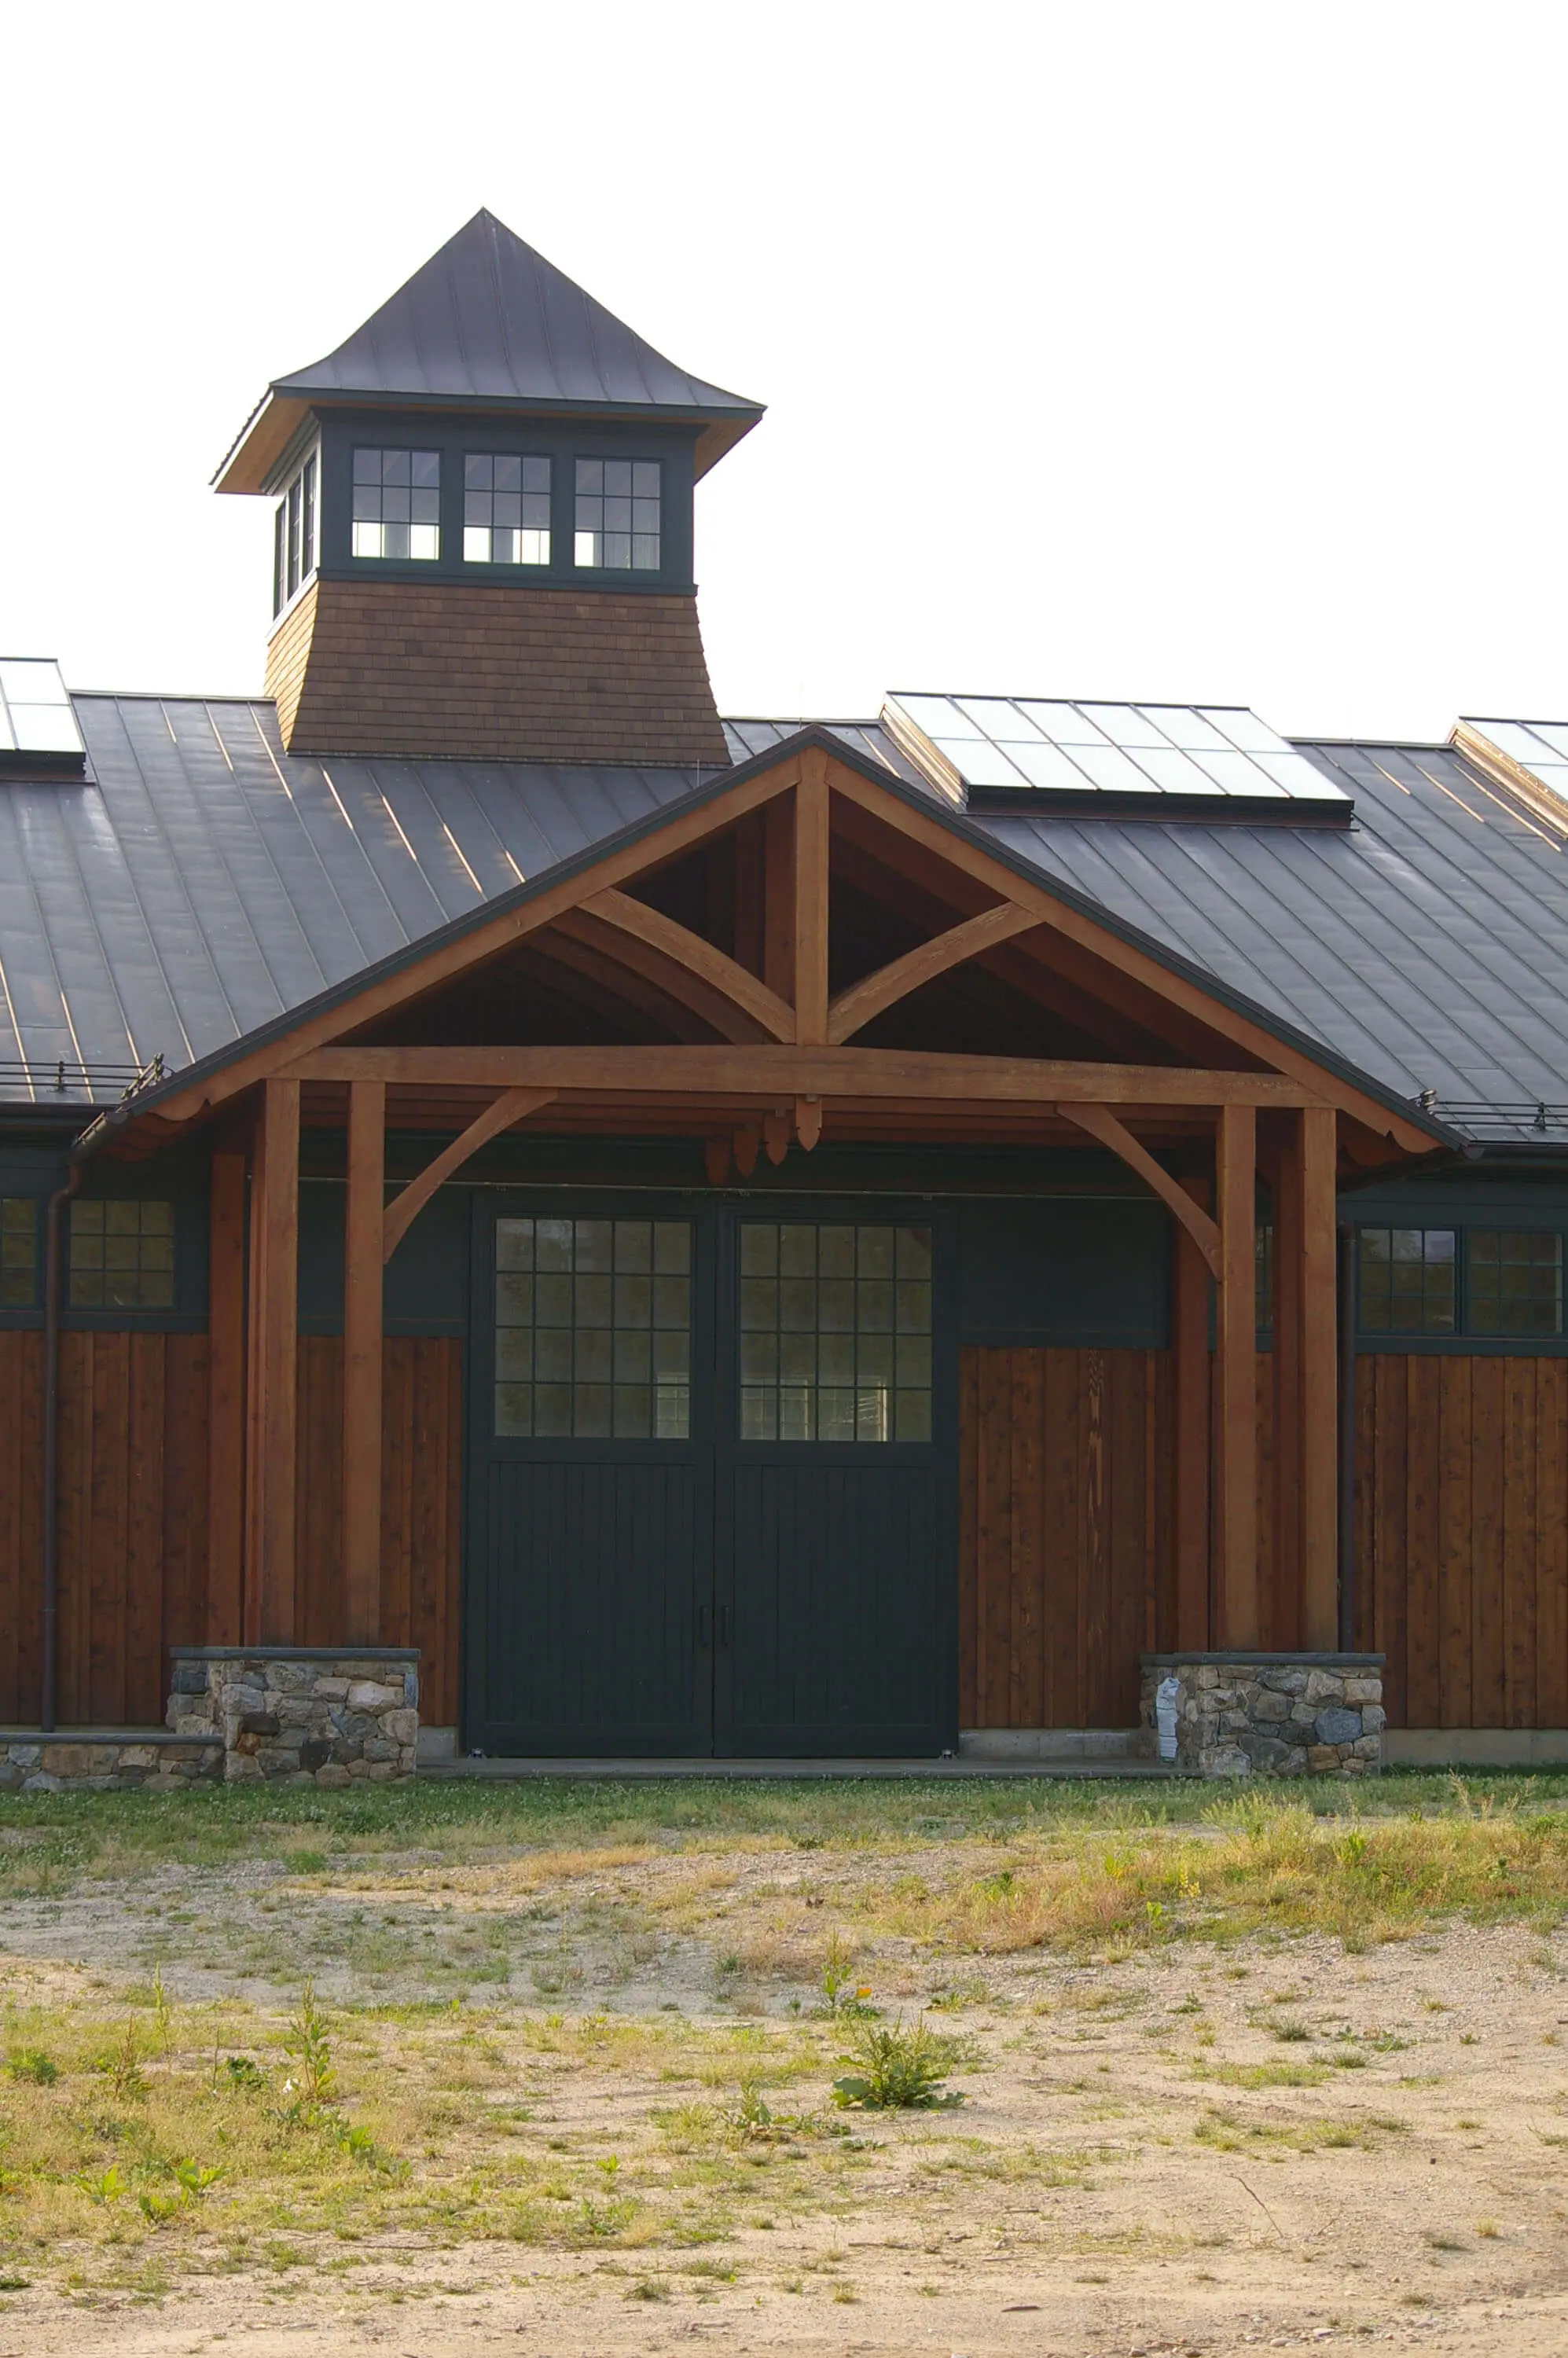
pixel 631 569
pixel 10 1230
pixel 511 568
pixel 430 492
pixel 297 533
pixel 1467 1335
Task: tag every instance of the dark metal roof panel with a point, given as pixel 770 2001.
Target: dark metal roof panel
pixel 488 319
pixel 747 738
pixel 202 882
pixel 1427 943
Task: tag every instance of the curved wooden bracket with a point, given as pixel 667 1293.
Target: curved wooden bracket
pixel 1101 1124
pixel 854 1008
pixel 700 957
pixel 399 1214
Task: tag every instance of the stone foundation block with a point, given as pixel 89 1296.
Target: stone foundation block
pixel 100 1760
pixel 294 1715
pixel 1234 1715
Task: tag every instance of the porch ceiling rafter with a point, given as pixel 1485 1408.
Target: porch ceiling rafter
pixel 770 1074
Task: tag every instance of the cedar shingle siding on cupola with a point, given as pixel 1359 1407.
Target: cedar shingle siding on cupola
pixel 447 671
pixel 574 641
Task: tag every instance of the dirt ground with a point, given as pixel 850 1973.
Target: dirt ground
pixel 1199 2147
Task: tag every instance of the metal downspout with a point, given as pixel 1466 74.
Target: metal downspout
pixel 49 1681
pixel 1346 1501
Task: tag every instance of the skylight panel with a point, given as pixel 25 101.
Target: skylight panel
pixel 1125 726
pixel 1236 774
pixel 37 726
pixel 980 762
pixel 1064 724
pixel 939 716
pixel 1149 758
pixel 1551 734
pixel 1512 738
pixel 1244 728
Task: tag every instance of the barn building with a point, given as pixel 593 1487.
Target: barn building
pixel 541 1223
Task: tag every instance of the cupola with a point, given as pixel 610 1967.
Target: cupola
pixel 483 545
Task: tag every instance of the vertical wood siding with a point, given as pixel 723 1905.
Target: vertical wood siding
pixel 1462 1537
pixel 421 1494
pixel 133 1514
pixel 1066 1569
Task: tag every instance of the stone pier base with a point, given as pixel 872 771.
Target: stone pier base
pixel 1271 1715
pixel 301 1715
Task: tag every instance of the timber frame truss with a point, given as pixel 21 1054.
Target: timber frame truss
pixel 766 1058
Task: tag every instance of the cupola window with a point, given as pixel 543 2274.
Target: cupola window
pixel 397 504
pixel 294 537
pixel 506 509
pixel 616 524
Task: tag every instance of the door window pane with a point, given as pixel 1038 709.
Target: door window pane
pixel 1407 1281
pixel 835 1332
pixel 594 1329
pixel 1516 1282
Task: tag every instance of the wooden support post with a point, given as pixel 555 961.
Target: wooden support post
pixel 226 1401
pixel 269 1613
pixel 1236 1377
pixel 777 820
pixel 811 901
pixel 363 1275
pixel 1319 1347
pixel 1193 1422
pixel 1282 1610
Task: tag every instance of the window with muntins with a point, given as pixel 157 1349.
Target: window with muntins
pixel 1514 1282
pixel 398 504
pixel 616 516
pixel 122 1256
pixel 18 1252
pixel 295 552
pixel 1407 1281
pixel 506 509
pixel 594 1329
pixel 835 1332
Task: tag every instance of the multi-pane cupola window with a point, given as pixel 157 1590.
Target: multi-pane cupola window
pixel 397 504
pixel 506 509
pixel 835 1332
pixel 293 553
pixel 594 1329
pixel 616 515
pixel 1453 1280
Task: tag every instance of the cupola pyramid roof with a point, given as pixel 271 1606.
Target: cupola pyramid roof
pixel 488 322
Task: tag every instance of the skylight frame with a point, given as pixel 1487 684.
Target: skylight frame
pixel 39 733
pixel 1160 759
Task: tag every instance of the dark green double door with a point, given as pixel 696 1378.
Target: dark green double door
pixel 712 1469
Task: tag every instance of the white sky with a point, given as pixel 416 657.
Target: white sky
pixel 1191 352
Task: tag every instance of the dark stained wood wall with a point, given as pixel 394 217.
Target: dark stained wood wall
pixel 1066 1562
pixel 133 1515
pixel 1462 1537
pixel 421 1504
pixel 133 1519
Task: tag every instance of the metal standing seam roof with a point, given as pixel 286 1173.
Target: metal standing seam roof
pixel 201 883
pixel 488 320
pixel 1427 943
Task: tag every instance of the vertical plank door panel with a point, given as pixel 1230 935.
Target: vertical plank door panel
pixel 1455 1544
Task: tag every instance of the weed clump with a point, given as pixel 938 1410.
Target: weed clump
pixel 899 2069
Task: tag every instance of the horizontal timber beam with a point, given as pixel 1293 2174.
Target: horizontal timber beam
pixel 783 1072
